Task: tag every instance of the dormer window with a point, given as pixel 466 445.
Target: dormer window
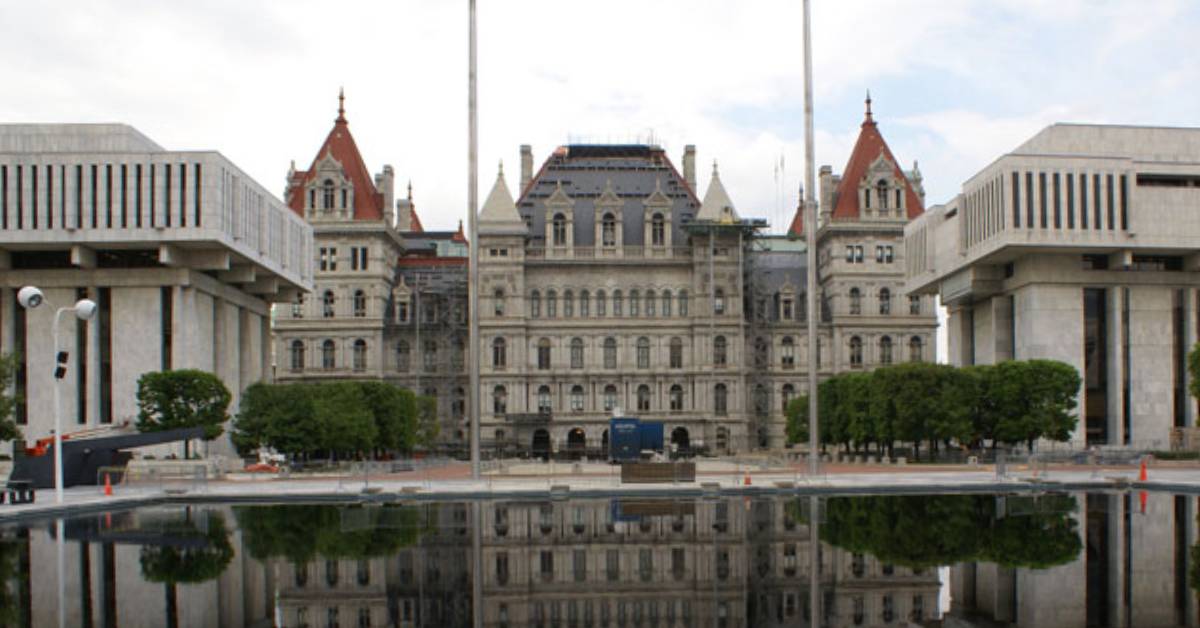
pixel 560 230
pixel 882 190
pixel 608 230
pixel 327 194
pixel 657 230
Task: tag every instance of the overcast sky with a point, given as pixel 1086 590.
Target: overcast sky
pixel 955 82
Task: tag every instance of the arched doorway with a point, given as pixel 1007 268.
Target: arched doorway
pixel 576 443
pixel 680 442
pixel 541 444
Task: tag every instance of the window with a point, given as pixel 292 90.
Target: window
pixel 297 355
pixel 650 300
pixel 328 304
pixel 499 400
pixel 786 395
pixel 543 400
pixel 762 402
pixel 612 570
pixel 855 301
pixel 762 353
pixel 720 400
pixel 786 310
pixel 645 564
pixel 608 230
pixel 551 304
pixel 568 304
pixel 856 351
pixel 327 194
pixel 577 398
pixel 546 564
pixel 579 566
pixel 720 354
pixel 914 349
pixel 676 395
pixel 616 303
pixel 635 303
pixel 358 258
pixel 543 354
pixel 683 303
pixel 881 189
pixel 402 356
pixel 666 303
pixel 676 356
pixel 850 253
pixel 678 571
pixel 788 354
pixel 360 355
pixel 718 302
pixel 560 230
pixel 914 305
pixel 431 349
pixel 885 301
pixel 502 568
pixel 643 353
pixel 889 609
pixel 610 398
pixel 601 304
pixel 328 360
pixel 585 304
pixel 610 353
pixel 657 232
pixel 360 304
pixel 298 306
pixel 576 353
pixel 498 302
pixel 402 311
pixel 888 254
pixel 499 353
pixel 643 398
pixel 885 350
pixel 535 304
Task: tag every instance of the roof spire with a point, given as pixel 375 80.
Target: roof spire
pixel 869 118
pixel 715 173
pixel 341 105
pixel 410 190
pixel 501 168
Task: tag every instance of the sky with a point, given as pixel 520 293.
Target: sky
pixel 955 83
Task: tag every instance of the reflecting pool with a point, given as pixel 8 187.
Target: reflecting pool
pixel 1061 559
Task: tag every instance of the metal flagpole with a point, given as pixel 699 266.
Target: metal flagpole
pixel 473 246
pixel 810 227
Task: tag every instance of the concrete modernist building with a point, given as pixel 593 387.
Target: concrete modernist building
pixel 1079 246
pixel 182 252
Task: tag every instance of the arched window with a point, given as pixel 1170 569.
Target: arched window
pixel 431 350
pixel 666 303
pixel 788 353
pixel 657 230
pixel 762 353
pixel 543 400
pixel 720 351
pixel 551 304
pixel 610 353
pixel 601 304
pixel 676 398
pixel 651 300
pixel 499 354
pixel 576 353
pixel 402 356
pixel 683 303
pixel 577 398
pixel 610 398
pixel 328 304
pixel 298 306
pixel 498 302
pixel 718 302
pixel 635 303
pixel 643 352
pixel 881 189
pixel 608 230
pixel 585 304
pixel 786 396
pixel 297 355
pixel 676 357
pixel 543 354
pixel 327 194
pixel 643 398
pixel 885 350
pixel 360 355
pixel 720 400
pixel 617 303
pixel 855 301
pixel 535 304
pixel 360 304
pixel 856 351
pixel 560 230
pixel 885 301
pixel 568 304
pixel 328 356
pixel 914 349
pixel 499 400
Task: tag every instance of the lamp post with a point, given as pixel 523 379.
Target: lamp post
pixel 84 309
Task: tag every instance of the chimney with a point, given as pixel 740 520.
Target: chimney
pixel 385 183
pixel 526 166
pixel 689 166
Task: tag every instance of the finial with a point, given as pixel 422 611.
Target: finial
pixel 410 190
pixel 501 168
pixel 715 168
pixel 341 104
pixel 869 119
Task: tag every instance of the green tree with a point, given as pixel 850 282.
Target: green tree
pixel 347 425
pixel 1193 365
pixel 427 421
pixel 797 419
pixel 170 400
pixel 8 403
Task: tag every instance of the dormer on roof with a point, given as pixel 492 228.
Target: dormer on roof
pixel 872 185
pixel 499 215
pixel 716 206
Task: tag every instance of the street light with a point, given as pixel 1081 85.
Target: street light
pixel 84 309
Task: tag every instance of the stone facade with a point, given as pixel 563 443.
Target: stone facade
pixel 182 252
pixel 1078 246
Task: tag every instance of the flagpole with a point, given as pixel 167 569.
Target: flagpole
pixel 473 246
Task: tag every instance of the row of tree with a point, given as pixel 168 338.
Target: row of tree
pixel 1010 402
pixel 335 419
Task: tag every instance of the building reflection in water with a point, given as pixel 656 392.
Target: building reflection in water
pixel 727 562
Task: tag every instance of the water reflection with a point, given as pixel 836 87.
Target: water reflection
pixel 1060 560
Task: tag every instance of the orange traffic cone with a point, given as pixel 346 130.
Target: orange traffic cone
pixel 1142 473
pixel 746 482
pixel 107 486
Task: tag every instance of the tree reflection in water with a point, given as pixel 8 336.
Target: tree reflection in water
pixel 182 562
pixel 304 532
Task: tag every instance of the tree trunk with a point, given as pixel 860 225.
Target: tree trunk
pixel 172 605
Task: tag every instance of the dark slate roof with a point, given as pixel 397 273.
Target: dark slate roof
pixel 584 170
pixel 781 263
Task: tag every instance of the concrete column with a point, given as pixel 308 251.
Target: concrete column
pixel 1002 319
pixel 1152 371
pixel 1115 318
pixel 1190 324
